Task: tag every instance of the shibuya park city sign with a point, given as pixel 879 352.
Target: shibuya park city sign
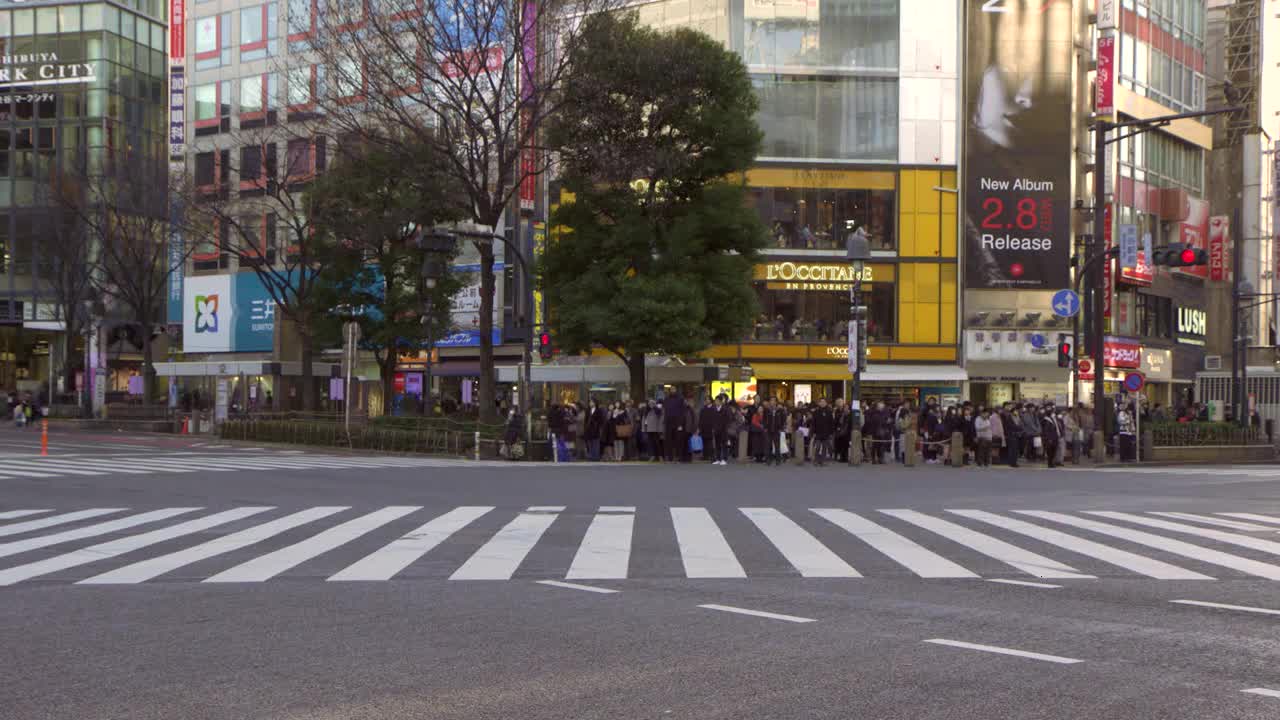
pixel 37 69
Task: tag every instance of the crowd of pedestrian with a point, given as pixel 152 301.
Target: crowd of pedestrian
pixel 674 429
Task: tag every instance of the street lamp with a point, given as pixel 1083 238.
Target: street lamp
pixel 857 252
pixel 435 245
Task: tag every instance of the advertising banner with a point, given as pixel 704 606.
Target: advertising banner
pixel 1120 352
pixel 177 111
pixel 1018 144
pixel 1219 241
pixel 227 313
pixel 1105 79
pixel 465 313
pixel 177 30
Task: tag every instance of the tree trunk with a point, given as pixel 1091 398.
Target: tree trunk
pixel 635 364
pixel 488 412
pixel 308 375
pixel 387 373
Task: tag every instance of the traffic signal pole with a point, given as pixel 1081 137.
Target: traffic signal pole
pixel 1099 251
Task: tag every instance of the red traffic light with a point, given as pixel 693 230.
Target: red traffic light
pixel 1188 256
pixel 1064 348
pixel 544 339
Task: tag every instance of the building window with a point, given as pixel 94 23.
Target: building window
pixel 348 80
pixel 302 19
pixel 822 316
pixel 304 160
pixel 258 31
pixel 816 219
pixel 1154 316
pixel 257 168
pixel 303 84
pixel 828 118
pixel 210 252
pixel 258 95
pixel 258 238
pixel 861 34
pixel 212 107
pixel 213 41
pixel 211 173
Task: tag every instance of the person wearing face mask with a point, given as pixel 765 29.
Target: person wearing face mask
pixel 1051 432
pixel 982 431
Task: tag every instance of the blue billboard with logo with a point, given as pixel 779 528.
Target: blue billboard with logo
pixel 227 313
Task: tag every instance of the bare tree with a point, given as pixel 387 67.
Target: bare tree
pixel 73 265
pixel 251 206
pixel 474 79
pixel 123 210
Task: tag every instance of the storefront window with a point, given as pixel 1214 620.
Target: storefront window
pixel 860 34
pixel 813 219
pixel 816 316
pixel 831 118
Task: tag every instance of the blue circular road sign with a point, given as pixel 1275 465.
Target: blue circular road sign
pixel 1133 381
pixel 1066 303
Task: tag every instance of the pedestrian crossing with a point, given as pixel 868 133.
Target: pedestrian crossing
pixel 337 543
pixel 32 466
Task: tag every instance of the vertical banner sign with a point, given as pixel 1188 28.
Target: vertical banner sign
pixel 1128 246
pixel 528 85
pixel 1018 144
pixel 1219 234
pixel 1105 78
pixel 1107 14
pixel 177 30
pixel 1108 284
pixel 177 111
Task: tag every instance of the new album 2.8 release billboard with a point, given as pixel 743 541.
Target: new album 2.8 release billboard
pixel 1018 144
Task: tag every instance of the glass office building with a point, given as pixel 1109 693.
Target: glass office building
pixel 81 85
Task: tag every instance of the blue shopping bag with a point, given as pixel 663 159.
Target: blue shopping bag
pixel 695 443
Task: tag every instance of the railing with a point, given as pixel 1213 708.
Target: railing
pixel 1203 434
pixel 427 440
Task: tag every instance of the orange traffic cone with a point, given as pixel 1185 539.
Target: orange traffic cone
pixel 44 437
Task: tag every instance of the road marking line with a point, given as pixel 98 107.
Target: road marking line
pixel 804 551
pixel 1159 542
pixel 154 567
pixel 1253 543
pixel 499 558
pixel 545 508
pixel 1253 516
pixel 703 549
pixel 605 552
pixel 758 613
pixel 14 467
pixel 1005 651
pixel 75 466
pixel 268 566
pixel 576 586
pixel 1121 558
pixel 42 523
pixel 1222 606
pixel 1024 560
pixel 13 514
pixel 386 562
pixel 617 508
pixel 1265 692
pixel 112 548
pixel 914 557
pixel 1024 583
pixel 1206 520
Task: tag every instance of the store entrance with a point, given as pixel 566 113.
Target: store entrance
pixel 800 391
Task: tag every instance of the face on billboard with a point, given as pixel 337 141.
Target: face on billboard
pixel 1018 144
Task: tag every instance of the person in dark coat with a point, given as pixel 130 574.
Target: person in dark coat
pixel 674 430
pixel 844 430
pixel 774 424
pixel 690 427
pixel 1051 432
pixel 593 431
pixel 709 424
pixel 1013 435
pixel 823 428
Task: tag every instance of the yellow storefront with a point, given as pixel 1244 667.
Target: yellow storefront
pixel 797 348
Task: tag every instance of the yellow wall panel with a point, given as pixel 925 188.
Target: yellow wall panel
pixel 878 352
pixel 927 280
pixel 907 193
pixel 948 230
pixel 947 324
pixel 906 322
pixel 907 236
pixel 832 179
pixel 926 196
pixel 753 350
pixel 923 353
pixel 927 237
pixel 927 322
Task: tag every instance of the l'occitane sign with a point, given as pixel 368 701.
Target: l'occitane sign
pixel 814 272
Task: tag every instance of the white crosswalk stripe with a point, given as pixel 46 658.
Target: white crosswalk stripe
pixel 272 564
pixel 1177 547
pixel 703 548
pixel 1207 520
pixel 1252 516
pixel 617 543
pixel 1122 558
pixel 1025 560
pixel 113 548
pixel 12 514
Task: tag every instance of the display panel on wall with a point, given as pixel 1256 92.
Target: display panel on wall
pixel 1018 144
pixel 227 313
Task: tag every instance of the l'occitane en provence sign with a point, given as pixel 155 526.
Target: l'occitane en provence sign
pixel 792 275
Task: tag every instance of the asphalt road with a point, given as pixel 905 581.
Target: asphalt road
pixel 148 577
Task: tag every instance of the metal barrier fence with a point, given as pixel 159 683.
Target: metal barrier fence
pixel 1199 434
pixel 429 441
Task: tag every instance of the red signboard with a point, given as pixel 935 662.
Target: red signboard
pixel 1121 353
pixel 1105 80
pixel 1084 368
pixel 177 30
pixel 1219 240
